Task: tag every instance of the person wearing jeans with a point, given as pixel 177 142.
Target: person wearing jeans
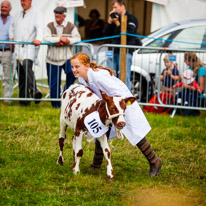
pixel 62 33
pixel 54 80
pixel 113 27
pixel 114 63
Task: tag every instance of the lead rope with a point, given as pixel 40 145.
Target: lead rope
pixel 99 106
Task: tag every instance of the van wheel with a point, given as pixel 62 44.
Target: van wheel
pixel 138 87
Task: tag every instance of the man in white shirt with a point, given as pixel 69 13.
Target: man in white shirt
pixel 27 26
pixel 62 33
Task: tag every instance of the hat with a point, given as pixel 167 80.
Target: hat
pixel 60 10
pixel 188 76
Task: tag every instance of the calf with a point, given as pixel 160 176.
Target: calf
pixel 78 102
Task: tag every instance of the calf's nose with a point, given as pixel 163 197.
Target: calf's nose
pixel 120 125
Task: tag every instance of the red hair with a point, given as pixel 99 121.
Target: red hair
pixel 85 60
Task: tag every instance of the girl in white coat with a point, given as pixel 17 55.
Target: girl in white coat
pixel 99 78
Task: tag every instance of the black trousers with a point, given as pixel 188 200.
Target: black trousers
pixel 27 83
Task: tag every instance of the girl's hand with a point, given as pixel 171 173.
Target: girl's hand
pixel 169 72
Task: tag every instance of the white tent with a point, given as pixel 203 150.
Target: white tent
pixel 176 10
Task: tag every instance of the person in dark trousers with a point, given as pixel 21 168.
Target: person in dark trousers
pixel 113 27
pixel 27 26
pixel 62 33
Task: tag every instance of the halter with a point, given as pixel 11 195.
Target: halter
pixel 114 115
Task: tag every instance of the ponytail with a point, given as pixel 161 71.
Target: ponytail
pixel 95 67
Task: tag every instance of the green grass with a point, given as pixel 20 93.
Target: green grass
pixel 29 174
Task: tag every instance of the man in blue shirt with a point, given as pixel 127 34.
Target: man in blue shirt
pixel 5 53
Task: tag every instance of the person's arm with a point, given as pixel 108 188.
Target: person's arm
pixel 132 24
pixel 174 74
pixel 75 36
pixel 107 84
pixel 48 36
pixel 111 28
pixel 11 34
pixel 189 86
pixel 162 75
pixel 201 80
pixel 177 85
pixel 202 83
pixel 11 30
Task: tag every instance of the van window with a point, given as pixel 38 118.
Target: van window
pixel 194 35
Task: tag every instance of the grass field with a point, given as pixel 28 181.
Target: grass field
pixel 29 174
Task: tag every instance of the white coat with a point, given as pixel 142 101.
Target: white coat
pixel 27 29
pixel 137 125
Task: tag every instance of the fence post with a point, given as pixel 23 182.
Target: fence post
pixel 123 50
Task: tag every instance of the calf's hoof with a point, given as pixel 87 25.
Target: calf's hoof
pixel 60 160
pixel 76 172
pixel 110 179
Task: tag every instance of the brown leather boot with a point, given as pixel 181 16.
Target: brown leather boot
pixel 98 156
pixel 154 161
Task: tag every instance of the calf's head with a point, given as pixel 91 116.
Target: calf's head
pixel 115 107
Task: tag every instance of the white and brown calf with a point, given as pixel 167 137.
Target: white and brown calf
pixel 77 102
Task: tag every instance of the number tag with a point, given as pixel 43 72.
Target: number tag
pixel 95 125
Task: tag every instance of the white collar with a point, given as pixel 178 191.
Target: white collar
pixel 64 23
pixel 27 10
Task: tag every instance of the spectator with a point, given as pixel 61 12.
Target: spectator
pixel 169 76
pixel 195 64
pixel 99 78
pixel 5 52
pixel 27 26
pixel 62 33
pixel 186 94
pixel 94 25
pixel 81 21
pixel 113 27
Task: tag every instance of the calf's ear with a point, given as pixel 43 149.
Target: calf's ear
pixel 104 95
pixel 129 100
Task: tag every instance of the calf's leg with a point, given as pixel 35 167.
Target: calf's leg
pixel 98 153
pixel 62 137
pixel 77 152
pixel 107 154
